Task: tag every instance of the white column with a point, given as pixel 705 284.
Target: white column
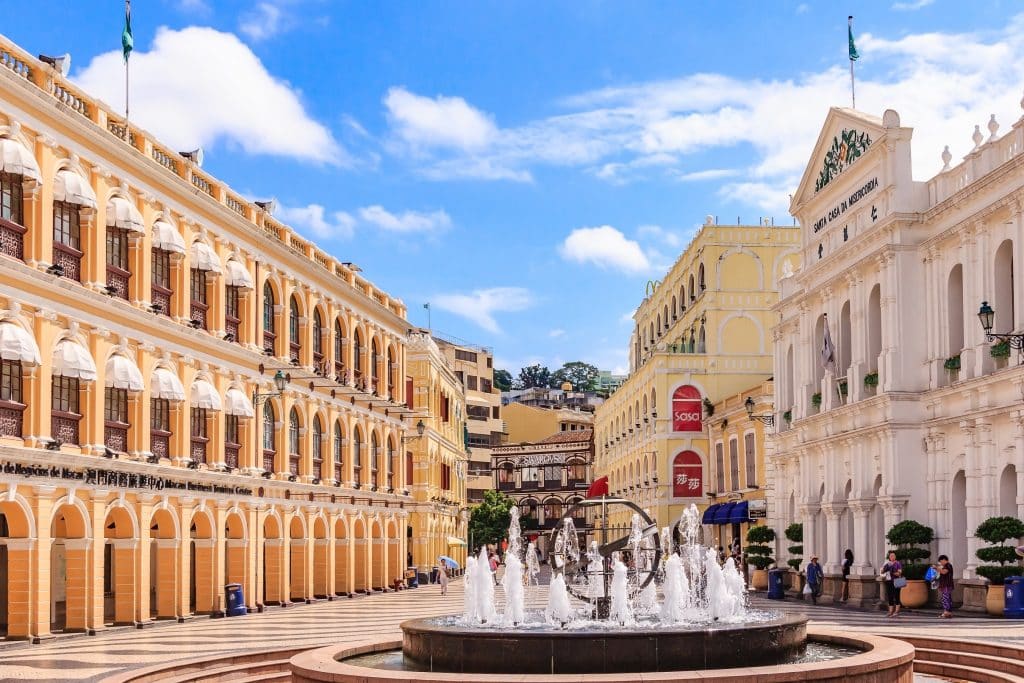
pixel 861 529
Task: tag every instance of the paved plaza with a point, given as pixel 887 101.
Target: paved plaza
pixel 83 658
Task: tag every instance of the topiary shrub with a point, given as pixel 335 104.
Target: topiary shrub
pixel 906 536
pixel 759 553
pixel 816 399
pixel 795 534
pixel 998 530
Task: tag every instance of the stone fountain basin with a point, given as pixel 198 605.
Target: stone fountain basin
pixel 881 659
pixel 460 649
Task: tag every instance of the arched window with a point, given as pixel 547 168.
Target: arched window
pixel 339 351
pixel 268 437
pixel 357 355
pixel 693 290
pixel 392 374
pixel 1003 294
pixel 392 464
pixel 374 461
pixel 318 338
pixel 294 443
pixel 339 443
pixel 318 454
pixel 294 344
pixel 552 510
pixel 687 409
pixel 374 358
pixel 700 278
pixel 12 210
pixel 702 341
pixel 357 456
pixel 269 327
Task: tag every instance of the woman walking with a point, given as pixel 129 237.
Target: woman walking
pixel 847 567
pixel 442 576
pixel 892 570
pixel 944 584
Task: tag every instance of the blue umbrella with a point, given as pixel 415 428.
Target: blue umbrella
pixel 449 561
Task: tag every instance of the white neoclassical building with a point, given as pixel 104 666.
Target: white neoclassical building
pixel 917 418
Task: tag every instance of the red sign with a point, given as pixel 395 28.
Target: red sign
pixel 687 476
pixel 687 410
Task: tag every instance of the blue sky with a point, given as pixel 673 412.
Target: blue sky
pixel 528 167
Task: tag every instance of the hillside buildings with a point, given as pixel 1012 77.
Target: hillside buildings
pixel 918 414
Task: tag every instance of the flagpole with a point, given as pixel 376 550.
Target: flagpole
pixel 126 100
pixel 126 46
pixel 853 89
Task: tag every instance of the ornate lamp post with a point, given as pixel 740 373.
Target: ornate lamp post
pixel 987 315
pixel 768 420
pixel 258 399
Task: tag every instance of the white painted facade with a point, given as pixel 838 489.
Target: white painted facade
pixel 900 268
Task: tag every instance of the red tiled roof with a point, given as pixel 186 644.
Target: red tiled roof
pixel 569 436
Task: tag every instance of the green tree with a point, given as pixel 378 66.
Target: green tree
pixel 503 379
pixel 759 553
pixel 488 522
pixel 999 530
pixel 582 376
pixel 795 534
pixel 533 376
pixel 907 536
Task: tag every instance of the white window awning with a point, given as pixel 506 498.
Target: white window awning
pixel 204 395
pixel 17 344
pixel 74 189
pixel 204 257
pixel 238 404
pixel 166 237
pixel 238 276
pixel 17 159
pixel 166 385
pixel 121 372
pixel 121 213
pixel 71 359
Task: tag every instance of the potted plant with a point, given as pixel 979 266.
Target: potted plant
pixel 795 534
pixel 816 400
pixel 907 536
pixel 871 379
pixel 788 416
pixel 952 364
pixel 844 388
pixel 998 530
pixel 759 554
pixel 1001 352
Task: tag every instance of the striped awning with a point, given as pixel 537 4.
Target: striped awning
pixel 17 159
pixel 121 213
pixel 74 189
pixel 17 344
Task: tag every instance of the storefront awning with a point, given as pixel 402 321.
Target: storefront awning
pixel 740 513
pixel 121 213
pixel 17 159
pixel 203 257
pixel 17 344
pixel 74 189
pixel 238 404
pixel 238 276
pixel 455 540
pixel 165 237
pixel 723 513
pixel 166 385
pixel 121 372
pixel 204 395
pixel 71 359
pixel 709 514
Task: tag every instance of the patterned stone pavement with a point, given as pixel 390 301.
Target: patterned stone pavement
pixel 91 658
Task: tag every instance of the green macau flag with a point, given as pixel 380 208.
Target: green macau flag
pixel 853 48
pixel 127 44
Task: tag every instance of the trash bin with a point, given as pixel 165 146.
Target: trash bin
pixel 411 580
pixel 235 600
pixel 433 575
pixel 776 586
pixel 1014 593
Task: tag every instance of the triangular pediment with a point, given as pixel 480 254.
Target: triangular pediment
pixel 845 137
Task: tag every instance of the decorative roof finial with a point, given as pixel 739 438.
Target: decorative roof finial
pixel 993 126
pixel 946 158
pixel 977 137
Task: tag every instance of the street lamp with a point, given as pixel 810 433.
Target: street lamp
pixel 420 428
pixel 768 420
pixel 259 399
pixel 987 315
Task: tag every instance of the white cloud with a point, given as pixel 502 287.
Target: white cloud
pixel 656 232
pixel 555 334
pixel 407 221
pixel 480 305
pixel 199 86
pixel 802 8
pixel 264 21
pixel 313 217
pixel 628 132
pixel 437 122
pixel 606 247
pixel 911 6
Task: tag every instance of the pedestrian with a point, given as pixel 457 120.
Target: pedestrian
pixel 847 567
pixel 493 564
pixel 721 555
pixel 944 584
pixel 408 560
pixel 815 578
pixel 442 576
pixel 892 570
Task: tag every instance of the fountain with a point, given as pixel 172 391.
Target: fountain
pixel 603 616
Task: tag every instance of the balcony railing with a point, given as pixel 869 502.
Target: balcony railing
pixel 160 443
pixel 231 454
pixel 269 338
pixel 268 460
pixel 115 436
pixel 293 464
pixel 65 427
pixel 293 350
pixel 70 259
pixel 198 311
pixel 11 418
pixel 198 449
pixel 231 326
pixel 12 239
pixel 117 279
pixel 161 297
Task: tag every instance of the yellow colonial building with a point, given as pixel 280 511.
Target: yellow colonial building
pixel 525 423
pixel 439 455
pixel 192 395
pixel 700 335
pixel 736 477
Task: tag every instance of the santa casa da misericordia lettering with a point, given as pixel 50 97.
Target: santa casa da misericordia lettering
pixel 848 203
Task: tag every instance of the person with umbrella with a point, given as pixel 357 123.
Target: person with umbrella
pixel 442 575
